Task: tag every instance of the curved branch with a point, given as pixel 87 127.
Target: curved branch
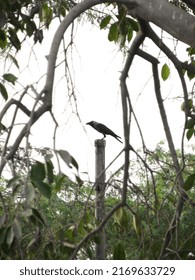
pixel 170 18
pixel 71 16
pixel 178 23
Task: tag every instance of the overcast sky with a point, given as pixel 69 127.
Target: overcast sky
pixel 97 65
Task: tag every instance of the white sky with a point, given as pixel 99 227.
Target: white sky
pixel 97 66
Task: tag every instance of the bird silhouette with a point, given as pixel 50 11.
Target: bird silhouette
pixel 103 129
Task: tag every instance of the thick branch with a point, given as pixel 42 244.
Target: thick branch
pixel 174 20
pixel 68 20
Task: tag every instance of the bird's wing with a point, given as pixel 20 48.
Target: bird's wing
pixel 105 130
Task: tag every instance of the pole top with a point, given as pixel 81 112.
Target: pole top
pixel 100 143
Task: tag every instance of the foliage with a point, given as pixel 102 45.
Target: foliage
pixel 44 215
pixel 38 210
pixel 120 25
pixel 28 18
pixel 150 204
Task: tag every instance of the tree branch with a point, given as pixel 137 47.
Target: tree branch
pixel 170 18
pixel 126 106
pixel 182 195
pixel 34 117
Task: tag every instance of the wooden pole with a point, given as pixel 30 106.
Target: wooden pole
pixel 99 188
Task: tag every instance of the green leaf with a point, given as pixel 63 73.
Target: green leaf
pixel 60 181
pixel 113 34
pixel 43 187
pixel 10 236
pixel 189 183
pixel 190 51
pixel 3 39
pixel 14 39
pixel 67 158
pixel 190 74
pixel 165 72
pixel 129 33
pixel 119 252
pixel 64 6
pixel 37 175
pixel 38 217
pixel 29 192
pixel 190 123
pixel 190 133
pixel 17 229
pixel 49 171
pixel 123 27
pixel 14 60
pixel 46 14
pixel 70 233
pixel 79 181
pixel 37 172
pixel 10 78
pixel 122 11
pixel 120 217
pixel 74 163
pixel 105 21
pixel 3 91
pixel 190 105
pixel 133 23
pixel 30 27
pixel 137 224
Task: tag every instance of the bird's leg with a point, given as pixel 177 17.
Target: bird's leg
pixel 104 136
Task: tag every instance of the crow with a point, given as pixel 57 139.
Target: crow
pixel 103 129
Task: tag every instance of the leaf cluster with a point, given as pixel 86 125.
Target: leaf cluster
pixel 121 26
pixel 44 215
pixel 27 17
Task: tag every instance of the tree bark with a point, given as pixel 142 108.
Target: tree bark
pixel 177 22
